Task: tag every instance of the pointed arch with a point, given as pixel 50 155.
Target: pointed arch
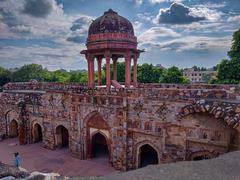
pixel 200 155
pixel 9 115
pixel 13 129
pixel 95 123
pixel 144 149
pixel 37 132
pixel 96 120
pixel 100 145
pixel 62 136
pixel 219 111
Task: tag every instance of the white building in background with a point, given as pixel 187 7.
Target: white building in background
pixel 197 76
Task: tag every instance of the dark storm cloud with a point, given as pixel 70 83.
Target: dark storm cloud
pixel 77 39
pixel 177 14
pixel 38 8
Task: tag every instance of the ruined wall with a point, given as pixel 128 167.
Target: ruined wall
pixel 172 119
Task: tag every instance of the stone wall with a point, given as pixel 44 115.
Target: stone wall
pixel 179 122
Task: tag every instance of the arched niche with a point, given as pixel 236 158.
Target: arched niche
pixel 146 153
pixel 62 136
pixel 37 132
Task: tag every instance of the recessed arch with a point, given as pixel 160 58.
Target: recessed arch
pixel 37 133
pixel 97 125
pixel 147 153
pixel 200 155
pixel 13 129
pixel 100 145
pixel 10 115
pixel 219 112
pixel 62 136
pixel 96 120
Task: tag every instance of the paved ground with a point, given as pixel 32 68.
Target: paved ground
pixel 37 158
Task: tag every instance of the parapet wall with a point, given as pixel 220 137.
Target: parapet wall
pixel 161 91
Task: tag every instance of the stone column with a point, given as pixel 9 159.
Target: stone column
pixel 99 71
pixel 91 71
pixel 135 69
pixel 127 57
pixel 89 75
pixel 114 68
pixel 108 77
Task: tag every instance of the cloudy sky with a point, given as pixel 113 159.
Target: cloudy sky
pixel 173 32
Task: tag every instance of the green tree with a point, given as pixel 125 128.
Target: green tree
pixel 5 76
pixel 57 76
pixel 120 72
pixel 234 52
pixel 174 75
pixel 228 72
pixel 147 73
pixel 206 78
pixel 78 76
pixel 29 72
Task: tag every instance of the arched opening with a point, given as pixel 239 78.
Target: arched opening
pixel 202 157
pixel 62 136
pixel 37 133
pixel 13 129
pixel 99 146
pixel 147 155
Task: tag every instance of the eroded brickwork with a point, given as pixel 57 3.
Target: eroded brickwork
pixel 179 122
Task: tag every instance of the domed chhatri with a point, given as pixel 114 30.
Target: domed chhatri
pixel 111 22
pixel 111 36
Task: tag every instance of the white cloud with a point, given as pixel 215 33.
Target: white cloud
pixel 154 33
pixel 198 27
pixel 190 43
pixel 138 2
pixel 161 1
pixel 145 16
pixel 178 13
pixel 65 57
pixel 205 11
pixel 54 26
pixel 138 27
pixel 234 18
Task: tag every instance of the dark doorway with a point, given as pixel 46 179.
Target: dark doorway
pixel 13 129
pixel 148 155
pixel 62 136
pixel 99 146
pixel 37 130
pixel 202 157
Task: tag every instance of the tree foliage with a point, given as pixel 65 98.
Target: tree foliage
pixel 174 75
pixel 29 72
pixel 228 71
pixel 147 73
pixel 234 52
pixel 5 76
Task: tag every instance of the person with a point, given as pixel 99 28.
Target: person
pixel 17 161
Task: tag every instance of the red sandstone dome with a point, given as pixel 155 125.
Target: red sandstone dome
pixel 111 22
pixel 111 31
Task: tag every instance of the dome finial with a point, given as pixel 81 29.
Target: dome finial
pixel 110 11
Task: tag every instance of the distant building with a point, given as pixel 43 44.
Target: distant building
pixel 160 66
pixel 198 76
